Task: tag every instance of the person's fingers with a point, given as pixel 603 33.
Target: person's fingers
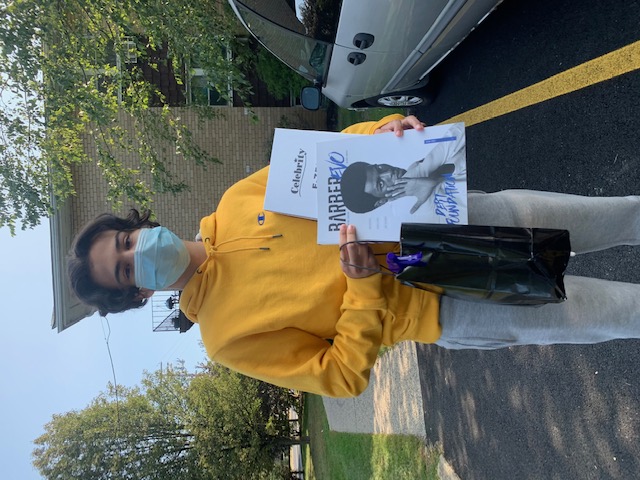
pixel 412 122
pixel 348 253
pixel 396 194
pixel 357 260
pixel 408 123
pixel 417 205
pixel 401 182
pixel 392 126
pixel 344 253
pixel 354 250
pixel 351 233
pixel 395 190
pixel 399 126
pixel 343 235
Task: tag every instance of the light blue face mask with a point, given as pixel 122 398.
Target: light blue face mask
pixel 160 258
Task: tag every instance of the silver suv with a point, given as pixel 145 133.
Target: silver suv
pixel 362 53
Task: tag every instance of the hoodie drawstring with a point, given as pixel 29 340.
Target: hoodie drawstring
pixel 213 250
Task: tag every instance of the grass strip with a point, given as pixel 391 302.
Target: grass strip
pixel 353 456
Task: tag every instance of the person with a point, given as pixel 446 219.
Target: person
pixel 365 187
pixel 273 304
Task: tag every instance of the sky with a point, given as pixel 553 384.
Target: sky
pixel 44 372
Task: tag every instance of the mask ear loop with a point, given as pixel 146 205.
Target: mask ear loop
pixel 381 266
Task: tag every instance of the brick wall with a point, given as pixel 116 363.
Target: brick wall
pixel 241 144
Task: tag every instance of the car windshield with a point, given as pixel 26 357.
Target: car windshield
pixel 298 34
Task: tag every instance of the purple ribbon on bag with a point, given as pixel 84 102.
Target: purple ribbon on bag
pixel 398 263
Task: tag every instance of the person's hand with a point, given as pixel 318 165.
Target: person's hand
pixel 422 188
pixel 357 259
pixel 399 126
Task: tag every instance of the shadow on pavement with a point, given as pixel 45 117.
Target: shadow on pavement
pixel 565 412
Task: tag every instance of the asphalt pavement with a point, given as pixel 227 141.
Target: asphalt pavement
pixel 557 412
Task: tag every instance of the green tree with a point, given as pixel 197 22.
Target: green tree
pixel 122 434
pixel 240 424
pixel 176 425
pixel 64 75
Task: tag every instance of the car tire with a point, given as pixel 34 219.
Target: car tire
pixel 410 98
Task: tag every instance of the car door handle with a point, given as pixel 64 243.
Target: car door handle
pixel 363 40
pixel 356 58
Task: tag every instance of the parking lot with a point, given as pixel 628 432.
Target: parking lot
pixel 562 412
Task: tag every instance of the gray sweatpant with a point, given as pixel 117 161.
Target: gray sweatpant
pixel 595 310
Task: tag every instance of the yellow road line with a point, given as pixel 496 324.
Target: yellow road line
pixel 613 64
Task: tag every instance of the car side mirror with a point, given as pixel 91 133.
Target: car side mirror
pixel 311 97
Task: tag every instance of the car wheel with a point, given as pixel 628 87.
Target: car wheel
pixel 411 98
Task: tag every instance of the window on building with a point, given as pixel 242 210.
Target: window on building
pixel 202 92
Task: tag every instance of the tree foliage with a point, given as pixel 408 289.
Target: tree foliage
pixel 64 77
pixel 240 425
pixel 176 425
pixel 115 439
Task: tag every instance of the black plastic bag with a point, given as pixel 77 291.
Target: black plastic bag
pixel 508 265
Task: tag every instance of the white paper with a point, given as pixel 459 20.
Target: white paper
pixel 291 186
pixel 431 164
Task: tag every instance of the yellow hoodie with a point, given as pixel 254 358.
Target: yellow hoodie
pixel 274 305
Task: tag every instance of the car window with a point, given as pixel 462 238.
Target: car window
pixel 317 19
pixel 299 36
pixel 320 18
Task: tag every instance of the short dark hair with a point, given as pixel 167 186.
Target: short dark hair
pixel 352 186
pixel 106 300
